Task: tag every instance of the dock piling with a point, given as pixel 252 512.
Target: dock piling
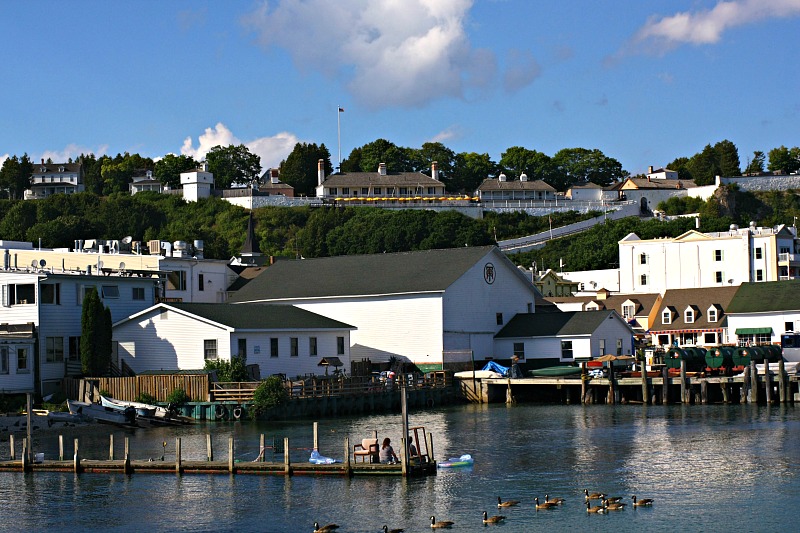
pixel 287 466
pixel 60 447
pixel 783 397
pixel 665 385
pixel 177 455
pixel 347 469
pixel 231 455
pixel 767 383
pixel 126 466
pixel 77 458
pixel 12 448
pixel 316 436
pixel 753 382
pixel 209 448
pixel 111 447
pixel 262 450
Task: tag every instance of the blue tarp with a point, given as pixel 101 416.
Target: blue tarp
pixel 494 367
pixel 318 459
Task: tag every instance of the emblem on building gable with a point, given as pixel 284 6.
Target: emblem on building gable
pixel 489 273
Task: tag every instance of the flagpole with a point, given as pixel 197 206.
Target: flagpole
pixel 339 134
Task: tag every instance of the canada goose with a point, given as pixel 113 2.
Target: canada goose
pixel 557 501
pixel 599 509
pixel 545 505
pixel 612 499
pixel 324 529
pixel 496 519
pixel 613 506
pixel 440 525
pixel 592 496
pixel 644 502
pixel 509 503
pixel 396 530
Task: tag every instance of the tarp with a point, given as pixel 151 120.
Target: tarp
pixel 494 367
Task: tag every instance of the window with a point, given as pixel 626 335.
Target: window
pixel 74 349
pixel 403 190
pixel 666 317
pixel 273 347
pixel 712 314
pixel 293 346
pixel 643 279
pixel 19 294
pixel 241 350
pixel 176 280
pixel 643 259
pixel 759 253
pixel 619 346
pixel 499 318
pixel 50 293
pixel 759 275
pixel 627 311
pixel 788 326
pixel 345 190
pixel 138 293
pixel 54 349
pixel 364 191
pixel 602 346
pixel 709 338
pixel 566 349
pixel 519 349
pixel 83 290
pixel 377 190
pixel 431 190
pixel 312 346
pixel 334 190
pixel 785 250
pixel 718 255
pixel 201 284
pixel 22 361
pixel 210 349
pixel 4 360
pixel 719 277
pixel 110 291
pixel 688 316
pixel 339 345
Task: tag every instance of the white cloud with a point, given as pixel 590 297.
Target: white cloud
pixel 387 52
pixel 3 159
pixel 707 26
pixel 522 70
pixel 271 150
pixel 448 134
pixel 70 151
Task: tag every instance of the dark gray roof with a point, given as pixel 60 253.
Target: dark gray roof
pixel 494 184
pixel 53 168
pixel 644 302
pixel 259 316
pixel 551 324
pixel 373 179
pixel 351 275
pixel 765 297
pixel 699 299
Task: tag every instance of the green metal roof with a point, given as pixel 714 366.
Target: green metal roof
pixel 552 324
pixel 764 297
pixel 259 316
pixel 753 331
pixel 396 273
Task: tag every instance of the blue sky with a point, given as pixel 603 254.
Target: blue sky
pixel 645 82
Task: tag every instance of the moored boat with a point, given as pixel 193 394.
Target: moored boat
pixel 555 371
pixel 100 413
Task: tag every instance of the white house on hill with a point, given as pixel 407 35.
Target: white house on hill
pixel 433 308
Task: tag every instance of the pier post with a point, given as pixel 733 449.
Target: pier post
pixel 111 447
pixel 704 392
pixel 753 382
pixel 262 450
pixel 126 466
pixel 645 394
pixel 430 447
pixel 12 448
pixel 684 393
pixel 209 448
pixel 26 465
pixel 767 383
pixel 347 468
pixel 584 377
pixel 287 465
pixel 665 385
pixel 231 455
pixel 177 455
pixel 60 448
pixel 744 391
pixel 77 458
pixel 316 436
pixel 726 398
pixel 29 419
pixel 783 397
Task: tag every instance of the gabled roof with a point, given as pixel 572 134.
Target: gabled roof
pixel 361 275
pixel 589 185
pixel 53 168
pixel 679 300
pixel 765 297
pixel 373 179
pixel 644 183
pixel 643 302
pixel 494 184
pixel 254 316
pixel 571 323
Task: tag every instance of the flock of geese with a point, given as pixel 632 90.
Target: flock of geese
pixel 607 504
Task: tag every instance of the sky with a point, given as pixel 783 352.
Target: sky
pixel 644 82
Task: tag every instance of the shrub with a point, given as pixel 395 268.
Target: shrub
pixel 227 371
pixel 270 393
pixel 143 397
pixel 178 397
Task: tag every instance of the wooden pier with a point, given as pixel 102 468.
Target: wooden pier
pixel 663 388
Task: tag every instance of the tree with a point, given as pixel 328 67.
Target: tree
pixel 445 160
pixel 756 166
pixel 383 151
pixel 168 169
pixel 299 169
pixel 92 172
pixel 727 158
pixel 578 166
pixel 469 171
pixel 536 165
pixel 704 166
pixel 784 160
pixel 233 165
pixel 95 345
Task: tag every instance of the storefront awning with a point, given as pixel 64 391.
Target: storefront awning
pixel 753 331
pixel 679 331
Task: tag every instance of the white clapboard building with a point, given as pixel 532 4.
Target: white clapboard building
pixel 434 308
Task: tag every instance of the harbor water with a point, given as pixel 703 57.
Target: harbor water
pixel 708 468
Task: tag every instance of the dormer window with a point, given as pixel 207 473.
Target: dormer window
pixel 666 316
pixel 43 169
pixel 688 315
pixel 713 314
pixel 627 311
pixel 61 169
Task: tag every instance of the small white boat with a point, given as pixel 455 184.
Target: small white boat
pixel 100 413
pixel 142 409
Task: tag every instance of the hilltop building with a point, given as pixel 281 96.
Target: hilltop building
pixel 48 179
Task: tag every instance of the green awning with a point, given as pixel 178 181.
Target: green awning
pixel 753 331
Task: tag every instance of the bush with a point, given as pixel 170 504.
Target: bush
pixel 269 394
pixel 227 371
pixel 143 397
pixel 178 397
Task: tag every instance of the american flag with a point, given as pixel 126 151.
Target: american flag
pixel 341 110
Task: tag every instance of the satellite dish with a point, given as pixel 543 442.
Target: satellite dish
pixel 42 263
pixel 127 240
pixel 122 265
pixel 34 263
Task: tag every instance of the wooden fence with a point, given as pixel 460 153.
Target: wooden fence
pixel 157 386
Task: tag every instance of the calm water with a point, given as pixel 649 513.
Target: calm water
pixel 709 468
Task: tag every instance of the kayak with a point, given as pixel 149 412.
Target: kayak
pixel 554 371
pixel 454 462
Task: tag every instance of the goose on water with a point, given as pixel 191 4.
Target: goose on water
pixel 396 530
pixel 598 509
pixel 496 519
pixel 325 529
pixel 545 505
pixel 440 525
pixel 509 503
pixel 592 496
pixel 644 502
pixel 548 499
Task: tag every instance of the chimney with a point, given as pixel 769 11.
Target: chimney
pixel 650 169
pixel 204 166
pixel 381 169
pixel 320 171
pixel 274 175
pixel 43 160
pixel 435 170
